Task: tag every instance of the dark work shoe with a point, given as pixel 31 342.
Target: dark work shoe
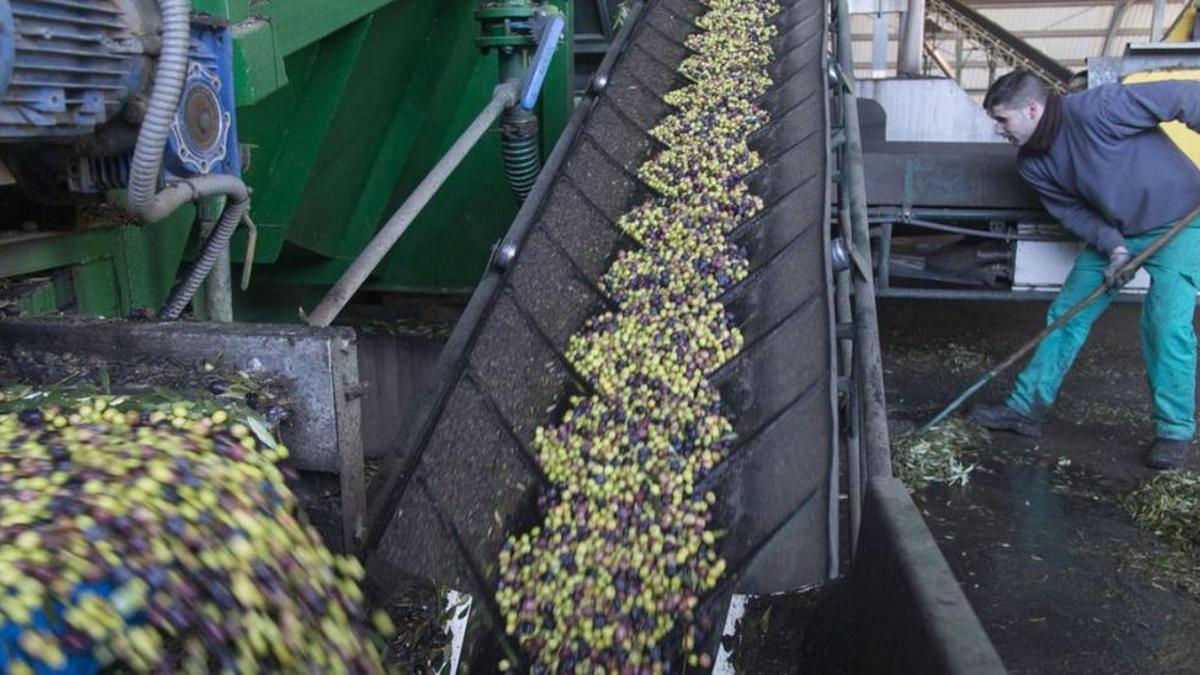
pixel 1167 454
pixel 1002 417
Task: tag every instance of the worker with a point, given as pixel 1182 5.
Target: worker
pixel 1102 167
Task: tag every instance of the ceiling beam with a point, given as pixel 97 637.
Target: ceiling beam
pixel 1026 34
pixel 865 66
pixel 1010 4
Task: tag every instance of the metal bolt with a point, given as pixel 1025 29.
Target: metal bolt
pixel 839 256
pixel 504 254
pixel 599 82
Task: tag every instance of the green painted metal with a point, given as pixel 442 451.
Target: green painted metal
pixel 316 214
pixel 496 25
pixel 39 294
pixel 112 270
pixel 259 58
pixel 342 109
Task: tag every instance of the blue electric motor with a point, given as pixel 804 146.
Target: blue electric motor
pixel 65 68
pixel 71 72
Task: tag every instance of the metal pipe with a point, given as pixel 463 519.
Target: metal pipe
pixel 845 313
pixel 867 327
pixel 879 46
pixel 505 95
pixel 838 295
pixel 218 297
pixel 885 257
pixel 1114 24
pixel 1156 20
pixel 982 295
pixel 856 452
pixel 965 231
pixel 897 214
pixel 913 39
pixel 218 289
pixel 959 60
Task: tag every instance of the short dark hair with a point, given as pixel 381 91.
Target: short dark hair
pixel 1015 89
pixel 1078 81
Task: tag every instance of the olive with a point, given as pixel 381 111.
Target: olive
pixel 624 551
pixel 203 546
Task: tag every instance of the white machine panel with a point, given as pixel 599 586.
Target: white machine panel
pixel 1044 265
pixel 930 109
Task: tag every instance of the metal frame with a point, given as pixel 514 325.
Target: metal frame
pixel 835 299
pixel 867 444
pixel 1001 44
pixel 902 586
pixel 883 220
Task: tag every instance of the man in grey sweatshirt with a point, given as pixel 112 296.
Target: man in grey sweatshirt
pixel 1105 169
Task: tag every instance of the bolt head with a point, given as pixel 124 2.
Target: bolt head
pixel 599 82
pixel 505 253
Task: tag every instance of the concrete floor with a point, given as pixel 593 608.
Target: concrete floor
pixel 1059 575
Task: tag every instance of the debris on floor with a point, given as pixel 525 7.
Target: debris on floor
pixel 1169 506
pixel 942 454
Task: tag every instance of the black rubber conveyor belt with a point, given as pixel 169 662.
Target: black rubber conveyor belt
pixel 440 508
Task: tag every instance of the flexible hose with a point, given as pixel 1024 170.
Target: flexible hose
pixel 146 201
pixel 520 149
pixel 238 200
pixel 160 111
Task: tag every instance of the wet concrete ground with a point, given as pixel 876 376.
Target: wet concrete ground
pixel 1061 578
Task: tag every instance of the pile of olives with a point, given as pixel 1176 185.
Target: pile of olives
pixel 157 540
pixel 614 574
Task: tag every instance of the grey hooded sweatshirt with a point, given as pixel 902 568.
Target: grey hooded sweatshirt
pixel 1108 170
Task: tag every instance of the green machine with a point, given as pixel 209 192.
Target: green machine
pixel 332 113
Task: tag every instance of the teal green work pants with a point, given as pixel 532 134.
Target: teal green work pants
pixel 1168 340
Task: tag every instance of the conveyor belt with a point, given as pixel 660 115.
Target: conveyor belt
pixel 441 508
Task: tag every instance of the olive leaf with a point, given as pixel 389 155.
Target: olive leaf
pixel 938 455
pixel 261 431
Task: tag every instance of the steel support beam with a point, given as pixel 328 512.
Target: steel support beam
pixel 1156 20
pixel 913 40
pixel 951 34
pixel 879 46
pixel 869 360
pixel 938 59
pixel 1114 24
pixel 960 58
pixel 982 63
